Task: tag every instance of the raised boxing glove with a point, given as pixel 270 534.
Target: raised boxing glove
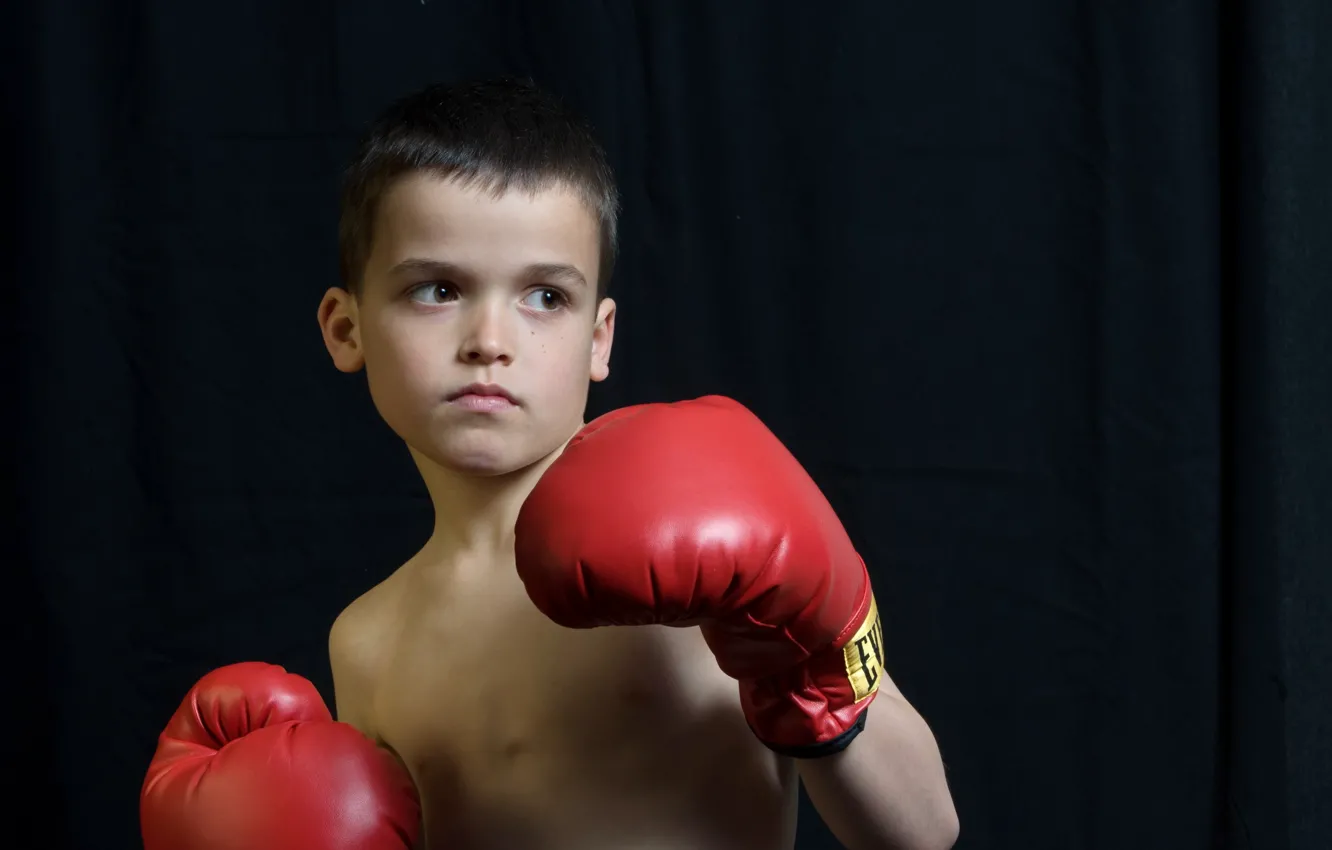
pixel 695 512
pixel 252 760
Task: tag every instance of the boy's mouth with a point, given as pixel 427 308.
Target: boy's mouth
pixel 483 398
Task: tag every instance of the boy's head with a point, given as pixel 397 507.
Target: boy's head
pixel 497 135
pixel 477 235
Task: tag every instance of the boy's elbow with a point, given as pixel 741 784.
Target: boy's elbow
pixel 941 833
pixel 948 832
pixel 945 829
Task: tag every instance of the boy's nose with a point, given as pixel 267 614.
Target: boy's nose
pixel 489 340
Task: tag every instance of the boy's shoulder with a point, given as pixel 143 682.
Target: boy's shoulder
pixel 357 642
pixel 366 614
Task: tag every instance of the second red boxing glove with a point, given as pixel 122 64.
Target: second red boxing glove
pixel 253 759
pixel 695 511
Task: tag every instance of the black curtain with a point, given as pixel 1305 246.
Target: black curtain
pixel 1036 290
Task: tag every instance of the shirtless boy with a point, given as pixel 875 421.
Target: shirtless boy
pixel 639 637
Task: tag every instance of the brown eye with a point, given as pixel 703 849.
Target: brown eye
pixel 546 300
pixel 433 293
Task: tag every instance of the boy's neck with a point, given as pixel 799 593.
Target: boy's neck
pixel 475 515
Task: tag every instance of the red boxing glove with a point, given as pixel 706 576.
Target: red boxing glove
pixel 676 513
pixel 252 760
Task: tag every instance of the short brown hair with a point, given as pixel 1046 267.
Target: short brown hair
pixel 500 133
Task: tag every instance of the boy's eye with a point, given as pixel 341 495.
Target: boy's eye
pixel 545 299
pixel 433 293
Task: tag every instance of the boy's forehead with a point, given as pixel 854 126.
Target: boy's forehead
pixel 423 214
pixel 424 195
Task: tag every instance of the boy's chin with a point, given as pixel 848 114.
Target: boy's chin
pixel 489 462
pixel 485 467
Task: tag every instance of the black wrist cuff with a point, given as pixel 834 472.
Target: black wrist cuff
pixel 824 748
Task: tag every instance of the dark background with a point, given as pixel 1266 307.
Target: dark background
pixel 1037 290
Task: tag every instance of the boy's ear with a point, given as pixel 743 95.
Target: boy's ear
pixel 603 336
pixel 342 333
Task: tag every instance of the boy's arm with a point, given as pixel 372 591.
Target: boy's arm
pixel 353 661
pixel 352 667
pixel 887 790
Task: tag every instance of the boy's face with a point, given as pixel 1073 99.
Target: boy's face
pixel 463 288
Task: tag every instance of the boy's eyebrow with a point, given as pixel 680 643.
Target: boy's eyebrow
pixel 428 266
pixel 556 271
pixel 544 271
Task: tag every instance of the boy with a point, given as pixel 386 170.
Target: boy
pixel 478 233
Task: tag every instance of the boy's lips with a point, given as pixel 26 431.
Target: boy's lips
pixel 483 398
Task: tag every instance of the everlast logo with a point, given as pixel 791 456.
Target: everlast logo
pixel 863 655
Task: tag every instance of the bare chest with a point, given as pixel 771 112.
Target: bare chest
pixel 521 733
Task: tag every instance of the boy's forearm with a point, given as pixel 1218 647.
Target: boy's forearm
pixel 888 789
